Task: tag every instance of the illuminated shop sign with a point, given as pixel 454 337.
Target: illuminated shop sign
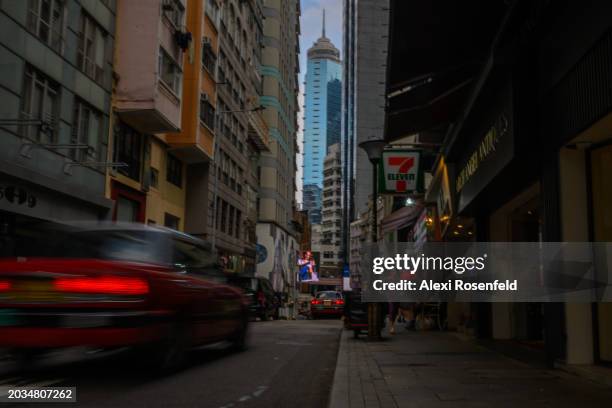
pixel 400 171
pixel 486 148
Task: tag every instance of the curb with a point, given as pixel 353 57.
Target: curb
pixel 340 387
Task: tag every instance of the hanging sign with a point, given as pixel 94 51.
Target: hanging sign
pixel 400 171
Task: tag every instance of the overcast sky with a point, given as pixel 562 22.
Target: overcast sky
pixel 311 20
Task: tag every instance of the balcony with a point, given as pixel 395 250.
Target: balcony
pixel 258 131
pixel 149 63
pixel 194 143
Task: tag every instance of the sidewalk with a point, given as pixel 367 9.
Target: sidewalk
pixel 433 369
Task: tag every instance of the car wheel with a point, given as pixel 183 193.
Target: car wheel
pixel 169 355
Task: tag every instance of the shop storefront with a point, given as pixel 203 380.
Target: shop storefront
pixel 26 208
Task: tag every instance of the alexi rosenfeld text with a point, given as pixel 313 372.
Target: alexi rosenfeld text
pixel 404 263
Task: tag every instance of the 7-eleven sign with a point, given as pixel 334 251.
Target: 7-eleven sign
pixel 400 171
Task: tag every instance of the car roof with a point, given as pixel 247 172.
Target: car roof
pixel 92 226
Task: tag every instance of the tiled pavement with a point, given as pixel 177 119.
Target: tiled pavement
pixel 432 369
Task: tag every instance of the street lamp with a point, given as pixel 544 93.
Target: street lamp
pixel 374 149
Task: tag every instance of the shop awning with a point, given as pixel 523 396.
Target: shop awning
pixel 402 218
pixel 436 49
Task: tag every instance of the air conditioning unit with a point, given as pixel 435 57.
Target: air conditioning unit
pixel 205 98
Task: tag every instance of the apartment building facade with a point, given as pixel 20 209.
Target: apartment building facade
pixel 55 87
pixel 276 232
pixel 331 221
pixel 242 134
pixel 147 101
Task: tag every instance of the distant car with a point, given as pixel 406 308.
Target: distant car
pixel 262 300
pixel 327 303
pixel 109 286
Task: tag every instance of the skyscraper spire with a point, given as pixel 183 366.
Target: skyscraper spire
pixel 323 24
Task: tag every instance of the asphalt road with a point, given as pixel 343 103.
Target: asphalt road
pixel 287 364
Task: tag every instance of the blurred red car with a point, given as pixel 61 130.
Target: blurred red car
pixel 108 286
pixel 327 303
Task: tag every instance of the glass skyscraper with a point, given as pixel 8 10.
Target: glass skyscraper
pixel 322 118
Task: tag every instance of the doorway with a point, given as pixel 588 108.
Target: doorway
pixel 601 220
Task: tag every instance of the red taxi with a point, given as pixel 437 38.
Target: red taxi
pixel 118 285
pixel 327 303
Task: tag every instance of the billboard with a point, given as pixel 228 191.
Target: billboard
pixel 307 268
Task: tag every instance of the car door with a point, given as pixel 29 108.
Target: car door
pixel 204 299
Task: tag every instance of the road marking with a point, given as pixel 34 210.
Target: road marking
pixel 256 394
pixel 260 390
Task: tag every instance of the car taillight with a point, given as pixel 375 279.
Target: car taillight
pixel 261 298
pixel 112 285
pixel 339 302
pixel 316 302
pixel 5 286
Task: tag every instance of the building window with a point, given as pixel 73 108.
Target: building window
pixel 174 12
pixel 223 215
pixel 230 225
pixel 92 48
pixel 174 171
pixel 127 210
pixel 154 182
pixel 238 222
pixel 40 101
pixel 209 58
pixel 87 129
pixel 212 9
pixel 171 221
pixel 207 112
pixel 128 150
pixel 46 21
pixel 169 71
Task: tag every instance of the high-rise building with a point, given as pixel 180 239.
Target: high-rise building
pixel 276 235
pixel 322 117
pixel 331 211
pixel 55 91
pixel 365 37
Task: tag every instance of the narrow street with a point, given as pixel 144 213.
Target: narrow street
pixel 288 363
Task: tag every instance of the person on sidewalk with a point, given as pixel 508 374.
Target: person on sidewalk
pixel 393 314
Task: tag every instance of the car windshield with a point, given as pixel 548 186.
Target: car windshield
pixel 52 241
pixel 135 246
pixel 189 255
pixel 246 283
pixel 328 295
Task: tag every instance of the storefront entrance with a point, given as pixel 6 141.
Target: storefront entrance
pixel 519 220
pixel 601 187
